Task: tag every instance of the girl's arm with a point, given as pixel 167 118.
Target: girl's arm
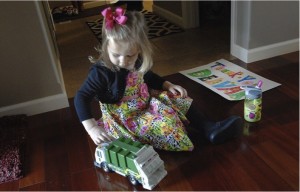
pixel 154 81
pixel 82 102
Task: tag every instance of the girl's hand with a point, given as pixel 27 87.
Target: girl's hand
pixel 97 133
pixel 174 89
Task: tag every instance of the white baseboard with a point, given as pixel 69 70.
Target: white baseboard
pixel 173 18
pixel 37 106
pixel 265 52
pixel 92 4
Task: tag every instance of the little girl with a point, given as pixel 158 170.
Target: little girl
pixel 128 92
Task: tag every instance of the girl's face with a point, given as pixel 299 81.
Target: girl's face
pixel 121 54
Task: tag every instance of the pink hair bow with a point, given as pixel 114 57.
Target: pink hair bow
pixel 114 17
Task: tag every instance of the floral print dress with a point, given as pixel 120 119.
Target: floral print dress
pixel 155 118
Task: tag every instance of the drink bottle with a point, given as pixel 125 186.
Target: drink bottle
pixel 253 103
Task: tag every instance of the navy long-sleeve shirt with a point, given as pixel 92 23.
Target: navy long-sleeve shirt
pixel 107 87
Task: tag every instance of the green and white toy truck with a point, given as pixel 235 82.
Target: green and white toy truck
pixel 139 162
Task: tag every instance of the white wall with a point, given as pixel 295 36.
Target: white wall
pixel 264 29
pixel 31 83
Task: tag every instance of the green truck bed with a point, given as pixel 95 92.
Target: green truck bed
pixel 122 152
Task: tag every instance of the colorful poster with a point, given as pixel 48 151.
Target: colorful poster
pixel 226 78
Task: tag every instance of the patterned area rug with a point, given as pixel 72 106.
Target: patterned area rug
pixel 157 26
pixel 12 147
pixel 59 15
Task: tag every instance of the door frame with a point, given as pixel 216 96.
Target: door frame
pixel 190 14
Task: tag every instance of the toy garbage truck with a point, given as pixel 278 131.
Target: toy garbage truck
pixel 139 162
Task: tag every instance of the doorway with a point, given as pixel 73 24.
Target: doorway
pixel 214 13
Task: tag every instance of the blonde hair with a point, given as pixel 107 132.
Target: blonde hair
pixel 133 31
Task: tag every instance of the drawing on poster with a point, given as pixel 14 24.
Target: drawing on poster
pixel 226 78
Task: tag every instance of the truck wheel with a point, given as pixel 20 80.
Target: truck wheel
pixel 132 180
pixel 97 164
pixel 105 167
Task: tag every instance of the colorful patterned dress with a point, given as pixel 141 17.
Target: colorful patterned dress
pixel 156 118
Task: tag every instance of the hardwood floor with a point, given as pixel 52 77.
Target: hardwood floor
pixel 264 158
